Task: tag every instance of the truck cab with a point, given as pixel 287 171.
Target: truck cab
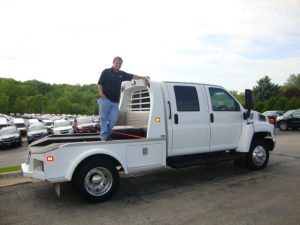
pixel 160 124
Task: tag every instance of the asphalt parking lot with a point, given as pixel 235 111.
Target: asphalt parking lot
pixel 215 194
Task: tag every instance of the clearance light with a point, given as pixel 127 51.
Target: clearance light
pixel 157 119
pixel 50 158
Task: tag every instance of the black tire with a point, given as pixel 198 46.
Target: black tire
pixel 96 180
pixel 282 125
pixel 258 156
pixel 20 142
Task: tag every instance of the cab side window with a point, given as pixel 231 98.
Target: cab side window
pixel 222 100
pixel 186 98
pixel 296 114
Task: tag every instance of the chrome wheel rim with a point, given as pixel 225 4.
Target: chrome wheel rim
pixel 98 181
pixel 283 126
pixel 259 155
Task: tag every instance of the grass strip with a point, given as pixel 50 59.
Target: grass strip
pixel 10 169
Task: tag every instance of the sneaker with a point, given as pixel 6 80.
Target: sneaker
pixel 102 139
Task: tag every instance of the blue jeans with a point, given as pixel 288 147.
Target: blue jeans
pixel 108 112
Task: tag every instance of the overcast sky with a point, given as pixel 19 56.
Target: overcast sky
pixel 232 43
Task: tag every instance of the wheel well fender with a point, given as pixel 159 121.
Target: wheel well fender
pixel 101 156
pixel 265 136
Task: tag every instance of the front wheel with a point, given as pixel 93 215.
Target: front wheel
pixel 258 156
pixel 282 125
pixel 97 180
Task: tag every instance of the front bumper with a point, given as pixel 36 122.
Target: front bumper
pixel 10 143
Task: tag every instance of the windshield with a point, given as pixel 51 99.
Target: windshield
pixel 62 123
pixel 288 112
pixel 36 127
pixel 270 113
pixel 19 125
pixel 84 121
pixel 8 130
pixel 1 126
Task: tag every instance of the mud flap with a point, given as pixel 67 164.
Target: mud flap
pixel 57 189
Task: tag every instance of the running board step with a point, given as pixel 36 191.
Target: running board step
pixel 200 159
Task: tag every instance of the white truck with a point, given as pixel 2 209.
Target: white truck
pixel 161 124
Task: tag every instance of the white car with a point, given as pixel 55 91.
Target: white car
pixel 32 121
pixel 20 124
pixel 49 125
pixel 8 118
pixel 3 122
pixel 62 127
pixel 36 131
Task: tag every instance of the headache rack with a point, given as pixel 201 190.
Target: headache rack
pixel 139 101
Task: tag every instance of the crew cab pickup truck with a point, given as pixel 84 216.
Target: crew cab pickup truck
pixel 161 124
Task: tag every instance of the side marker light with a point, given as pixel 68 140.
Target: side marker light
pixel 50 158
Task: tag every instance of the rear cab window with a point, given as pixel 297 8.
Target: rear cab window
pixel 186 98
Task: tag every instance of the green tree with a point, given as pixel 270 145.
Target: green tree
pixel 265 89
pixel 290 92
pixel 259 106
pixel 294 103
pixel 240 96
pixel 293 81
pixel 269 104
pixel 280 104
pixel 4 103
pixel 20 105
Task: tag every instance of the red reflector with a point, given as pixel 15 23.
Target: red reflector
pixel 50 158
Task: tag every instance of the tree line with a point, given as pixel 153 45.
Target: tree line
pixel 38 97
pixel 270 96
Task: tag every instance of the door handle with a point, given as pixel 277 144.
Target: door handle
pixel 211 117
pixel 176 118
pixel 170 115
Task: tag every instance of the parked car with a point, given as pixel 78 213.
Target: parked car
pixel 10 136
pixel 62 127
pixel 20 125
pixel 36 131
pixel 272 115
pixel 85 125
pixel 32 121
pixel 8 118
pixel 3 122
pixel 49 125
pixel 290 119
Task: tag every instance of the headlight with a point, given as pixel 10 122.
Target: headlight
pixel 17 136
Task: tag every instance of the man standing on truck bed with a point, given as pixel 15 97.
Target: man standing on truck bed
pixel 109 87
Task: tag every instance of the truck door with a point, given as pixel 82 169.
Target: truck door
pixel 188 121
pixel 225 119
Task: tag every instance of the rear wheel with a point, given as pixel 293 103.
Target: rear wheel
pixel 97 180
pixel 258 156
pixel 282 125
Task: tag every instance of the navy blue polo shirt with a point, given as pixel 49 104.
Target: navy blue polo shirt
pixel 111 82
